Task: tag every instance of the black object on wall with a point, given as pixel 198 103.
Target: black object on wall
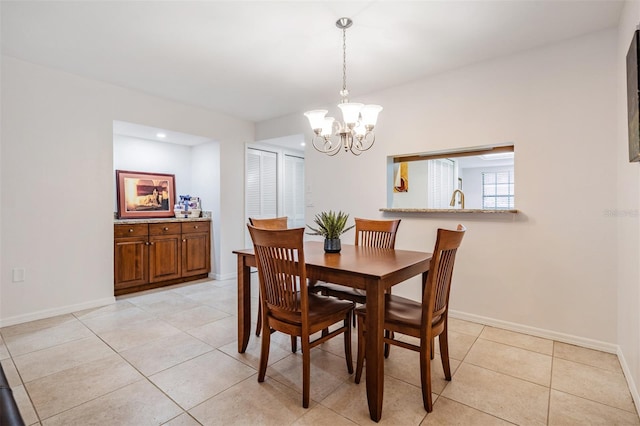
pixel 633 99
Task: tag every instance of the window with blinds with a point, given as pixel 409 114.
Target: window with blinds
pixel 498 190
pixel 442 183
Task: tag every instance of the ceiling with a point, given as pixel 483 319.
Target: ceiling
pixel 264 59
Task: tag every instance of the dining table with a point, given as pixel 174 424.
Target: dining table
pixel 374 270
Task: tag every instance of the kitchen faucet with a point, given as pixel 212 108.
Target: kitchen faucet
pixel 453 198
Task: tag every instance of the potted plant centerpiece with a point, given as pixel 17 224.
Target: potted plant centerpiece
pixel 330 225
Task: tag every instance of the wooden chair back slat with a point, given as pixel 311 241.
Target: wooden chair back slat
pixel 281 271
pixel 435 300
pixel 376 233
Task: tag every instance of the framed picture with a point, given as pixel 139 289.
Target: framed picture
pixel 633 100
pixel 144 195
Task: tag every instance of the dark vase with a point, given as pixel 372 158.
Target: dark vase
pixel 332 245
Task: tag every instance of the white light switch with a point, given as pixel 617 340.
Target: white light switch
pixel 18 275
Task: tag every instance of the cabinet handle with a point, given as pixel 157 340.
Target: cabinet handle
pixel 151 243
pixel 146 243
pixel 166 229
pixel 196 226
pixel 130 229
pixel 184 240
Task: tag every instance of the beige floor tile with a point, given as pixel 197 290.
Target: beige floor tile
pixel 31 326
pixel 4 352
pixel 193 287
pixel 587 356
pixel 23 402
pixel 524 341
pixel 11 373
pixel 175 303
pixel 116 319
pixel 194 317
pixel 402 404
pixel 61 391
pixel 251 403
pixel 137 333
pixel 448 412
pixel 404 364
pixel 502 396
pixel 229 304
pixel 217 333
pixel 182 420
pixel 139 403
pixel 565 409
pixel 251 356
pixel 466 327
pixel 459 344
pixel 595 384
pixel 328 372
pixel 67 331
pixel 61 357
pixel 201 378
pixel 164 353
pixel 322 416
pixel 521 363
pixel 119 305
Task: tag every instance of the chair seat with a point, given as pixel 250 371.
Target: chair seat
pixel 400 310
pixel 320 307
pixel 341 291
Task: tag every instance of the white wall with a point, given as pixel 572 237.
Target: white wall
pixel 549 269
pixel 625 213
pixel 57 184
pixel 205 183
pixel 141 155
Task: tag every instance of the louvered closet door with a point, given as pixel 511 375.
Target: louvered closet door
pixel 294 190
pixel 262 186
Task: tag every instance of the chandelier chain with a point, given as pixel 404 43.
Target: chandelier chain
pixel 344 59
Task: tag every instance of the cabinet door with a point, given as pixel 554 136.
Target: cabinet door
pixel 130 266
pixel 196 254
pixel 164 257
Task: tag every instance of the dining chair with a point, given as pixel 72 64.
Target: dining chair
pixel 288 306
pixel 271 223
pixel 369 233
pixel 424 320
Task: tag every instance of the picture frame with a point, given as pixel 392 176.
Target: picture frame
pixel 145 195
pixel 633 100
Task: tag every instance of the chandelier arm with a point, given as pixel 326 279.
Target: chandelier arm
pixel 331 150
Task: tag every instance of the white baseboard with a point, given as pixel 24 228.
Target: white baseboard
pixel 223 277
pixel 538 332
pixel 627 374
pixel 46 313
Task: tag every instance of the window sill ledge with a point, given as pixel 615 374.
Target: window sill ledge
pixel 514 211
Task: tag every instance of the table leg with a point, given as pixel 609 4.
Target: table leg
pixel 244 304
pixel 374 348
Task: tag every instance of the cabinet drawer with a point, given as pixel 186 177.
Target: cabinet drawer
pixel 192 227
pixel 136 230
pixel 164 228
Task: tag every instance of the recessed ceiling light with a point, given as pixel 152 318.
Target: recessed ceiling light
pixel 302 144
pixel 161 135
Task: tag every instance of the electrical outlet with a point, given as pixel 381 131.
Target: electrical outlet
pixel 18 275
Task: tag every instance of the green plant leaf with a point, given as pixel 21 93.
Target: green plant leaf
pixel 330 224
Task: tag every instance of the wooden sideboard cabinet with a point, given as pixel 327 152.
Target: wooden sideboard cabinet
pixel 149 255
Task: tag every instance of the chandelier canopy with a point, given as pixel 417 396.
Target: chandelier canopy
pixel 355 132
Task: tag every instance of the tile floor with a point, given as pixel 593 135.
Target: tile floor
pixel 169 357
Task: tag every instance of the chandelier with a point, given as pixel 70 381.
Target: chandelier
pixel 355 132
